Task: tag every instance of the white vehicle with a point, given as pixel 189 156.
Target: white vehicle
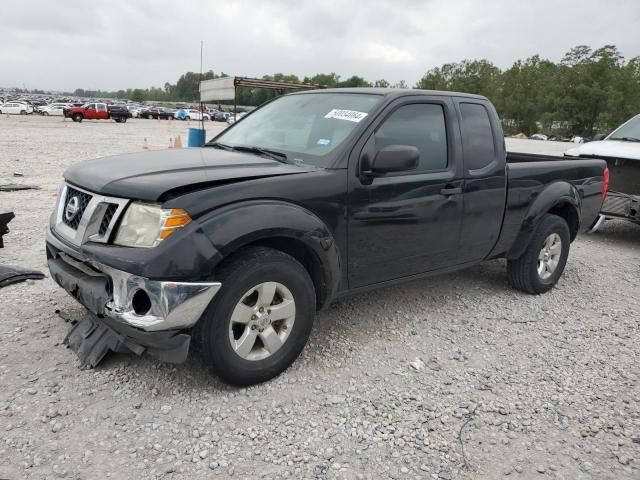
pixel 191 114
pixel 18 108
pixel 53 109
pixel 234 118
pixel 539 136
pixel 623 142
pixel 621 150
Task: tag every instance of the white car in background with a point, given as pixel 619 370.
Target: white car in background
pixel 53 109
pixel 621 150
pixel 623 142
pixel 18 108
pixel 190 114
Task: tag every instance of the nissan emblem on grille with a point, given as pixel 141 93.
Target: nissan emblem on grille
pixel 72 208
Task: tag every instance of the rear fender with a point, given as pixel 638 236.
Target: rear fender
pixel 269 221
pixel 556 196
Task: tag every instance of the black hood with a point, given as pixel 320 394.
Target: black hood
pixel 151 176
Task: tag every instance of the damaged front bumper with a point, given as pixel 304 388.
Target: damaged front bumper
pixel 145 312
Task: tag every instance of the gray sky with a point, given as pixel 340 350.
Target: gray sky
pixel 113 44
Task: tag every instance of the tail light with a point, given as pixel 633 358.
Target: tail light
pixel 605 182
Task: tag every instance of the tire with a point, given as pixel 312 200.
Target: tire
pixel 78 117
pixel 46 114
pixel 23 112
pixel 249 275
pixel 531 273
pixel 187 117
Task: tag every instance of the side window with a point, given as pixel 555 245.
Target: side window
pixel 421 125
pixel 101 107
pixel 477 136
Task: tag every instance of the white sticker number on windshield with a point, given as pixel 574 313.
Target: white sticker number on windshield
pixel 349 115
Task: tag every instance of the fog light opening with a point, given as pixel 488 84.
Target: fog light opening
pixel 140 302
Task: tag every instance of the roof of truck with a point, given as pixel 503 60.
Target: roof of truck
pixel 393 92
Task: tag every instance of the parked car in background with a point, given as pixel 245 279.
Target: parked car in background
pixel 221 116
pixel 191 114
pixel 53 109
pixel 316 196
pixel 539 136
pixel 97 111
pixel 234 118
pixel 157 113
pixel 621 150
pixel 17 108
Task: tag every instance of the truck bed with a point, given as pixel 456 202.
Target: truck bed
pixel 530 175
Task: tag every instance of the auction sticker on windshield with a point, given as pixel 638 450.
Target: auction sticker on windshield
pixel 349 115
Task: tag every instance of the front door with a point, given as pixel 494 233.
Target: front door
pixel 408 222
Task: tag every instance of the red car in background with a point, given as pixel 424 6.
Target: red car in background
pixel 97 111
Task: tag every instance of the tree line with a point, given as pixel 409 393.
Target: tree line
pixel 589 91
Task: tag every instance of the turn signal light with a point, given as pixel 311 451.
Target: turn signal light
pixel 173 221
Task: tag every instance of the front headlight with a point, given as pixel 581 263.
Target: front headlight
pixel 146 225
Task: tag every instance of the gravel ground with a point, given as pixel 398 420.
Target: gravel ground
pixel 453 377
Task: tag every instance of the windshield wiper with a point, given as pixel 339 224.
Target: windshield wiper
pixel 273 154
pixel 626 139
pixel 219 145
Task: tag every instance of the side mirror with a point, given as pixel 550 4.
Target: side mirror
pixel 395 158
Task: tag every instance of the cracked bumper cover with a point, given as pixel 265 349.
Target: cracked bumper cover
pixel 107 293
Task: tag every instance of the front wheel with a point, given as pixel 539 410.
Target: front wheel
pixel 261 318
pixel 23 112
pixel 541 265
pixel 77 117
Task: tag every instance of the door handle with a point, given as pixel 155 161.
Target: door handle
pixel 451 191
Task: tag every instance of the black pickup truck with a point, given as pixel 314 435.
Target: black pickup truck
pixel 312 197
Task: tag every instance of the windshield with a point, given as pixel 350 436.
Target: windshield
pixel 630 131
pixel 307 127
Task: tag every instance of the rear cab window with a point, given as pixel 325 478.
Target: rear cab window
pixel 477 136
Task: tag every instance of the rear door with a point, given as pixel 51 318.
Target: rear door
pixel 484 177
pixel 102 113
pixel 406 223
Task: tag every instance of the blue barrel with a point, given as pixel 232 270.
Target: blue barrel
pixel 196 137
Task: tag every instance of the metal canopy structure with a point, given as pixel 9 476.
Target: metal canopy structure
pixel 226 88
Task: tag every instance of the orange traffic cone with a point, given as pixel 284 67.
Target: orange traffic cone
pixel 145 145
pixel 178 142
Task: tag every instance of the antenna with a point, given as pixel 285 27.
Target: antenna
pixel 199 85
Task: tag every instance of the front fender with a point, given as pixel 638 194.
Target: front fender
pixel 234 226
pixel 556 194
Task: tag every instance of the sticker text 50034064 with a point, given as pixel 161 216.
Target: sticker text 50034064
pixel 349 115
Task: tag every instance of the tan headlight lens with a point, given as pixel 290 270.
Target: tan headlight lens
pixel 146 225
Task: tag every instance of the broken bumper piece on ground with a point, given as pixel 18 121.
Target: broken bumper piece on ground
pixel 10 274
pixel 92 338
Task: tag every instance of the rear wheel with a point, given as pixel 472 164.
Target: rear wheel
pixel 77 117
pixel 260 320
pixel 23 112
pixel 187 117
pixel 542 264
pixel 46 114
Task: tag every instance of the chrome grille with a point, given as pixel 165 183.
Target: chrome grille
pixel 109 213
pixel 95 217
pixel 83 200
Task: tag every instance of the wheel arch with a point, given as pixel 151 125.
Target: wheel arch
pixel 282 226
pixel 559 198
